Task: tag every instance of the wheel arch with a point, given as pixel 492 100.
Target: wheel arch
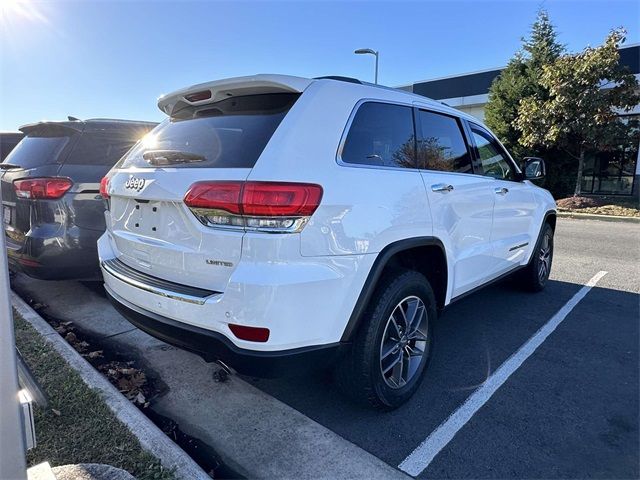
pixel 549 217
pixel 410 253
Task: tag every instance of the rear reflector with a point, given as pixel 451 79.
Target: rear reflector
pixel 42 188
pixel 198 96
pixel 104 187
pixel 252 334
pixel 28 262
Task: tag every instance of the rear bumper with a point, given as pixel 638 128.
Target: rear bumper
pixel 72 256
pixel 214 346
pixel 304 302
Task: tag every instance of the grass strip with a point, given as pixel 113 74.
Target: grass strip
pixel 78 426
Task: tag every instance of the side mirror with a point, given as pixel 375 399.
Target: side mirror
pixel 533 168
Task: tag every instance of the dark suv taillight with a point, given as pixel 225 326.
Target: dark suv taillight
pixel 104 187
pixel 266 206
pixel 42 188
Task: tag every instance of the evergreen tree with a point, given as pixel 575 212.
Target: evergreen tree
pixel 521 79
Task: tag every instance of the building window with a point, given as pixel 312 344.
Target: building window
pixel 612 172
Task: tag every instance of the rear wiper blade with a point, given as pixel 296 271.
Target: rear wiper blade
pixel 169 157
pixel 8 166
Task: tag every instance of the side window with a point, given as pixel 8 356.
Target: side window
pixel 492 157
pixel 441 145
pixel 381 134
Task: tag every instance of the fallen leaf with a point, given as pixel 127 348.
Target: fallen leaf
pixel 57 412
pixel 71 337
pixel 140 398
pixel 95 354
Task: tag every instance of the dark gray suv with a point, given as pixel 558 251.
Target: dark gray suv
pixel 53 212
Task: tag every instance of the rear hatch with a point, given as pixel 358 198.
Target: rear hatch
pixel 153 229
pixel 37 155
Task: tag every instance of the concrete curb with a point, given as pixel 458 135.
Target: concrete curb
pixel 593 216
pixel 151 437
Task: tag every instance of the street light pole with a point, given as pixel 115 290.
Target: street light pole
pixel 368 51
pixel 376 80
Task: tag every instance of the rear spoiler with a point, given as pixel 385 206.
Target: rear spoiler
pixel 212 92
pixel 63 127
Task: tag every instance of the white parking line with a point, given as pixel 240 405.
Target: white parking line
pixel 424 454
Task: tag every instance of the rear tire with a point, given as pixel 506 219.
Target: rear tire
pixel 534 276
pixel 393 345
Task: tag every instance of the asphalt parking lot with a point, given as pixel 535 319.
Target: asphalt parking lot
pixel 571 409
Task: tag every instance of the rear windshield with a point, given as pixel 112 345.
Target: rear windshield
pixel 103 147
pixel 35 150
pixel 231 133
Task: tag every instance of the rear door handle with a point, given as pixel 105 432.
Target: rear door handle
pixel 501 190
pixel 441 187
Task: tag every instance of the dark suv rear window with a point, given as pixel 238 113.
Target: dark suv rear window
pixel 231 133
pixel 103 147
pixel 34 151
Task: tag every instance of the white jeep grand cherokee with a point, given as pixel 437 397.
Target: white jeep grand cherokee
pixel 278 223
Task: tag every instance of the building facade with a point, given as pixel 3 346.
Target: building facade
pixel 606 173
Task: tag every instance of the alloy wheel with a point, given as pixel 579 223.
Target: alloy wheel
pixel 404 342
pixel 544 256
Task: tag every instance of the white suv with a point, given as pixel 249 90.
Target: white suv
pixel 278 223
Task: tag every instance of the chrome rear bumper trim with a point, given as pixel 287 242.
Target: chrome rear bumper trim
pixel 148 283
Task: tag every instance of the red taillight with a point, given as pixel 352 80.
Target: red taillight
pixel 252 334
pixel 263 206
pixel 266 199
pixel 104 187
pixel 42 188
pixel 215 196
pixel 256 199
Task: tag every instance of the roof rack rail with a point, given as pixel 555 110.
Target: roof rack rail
pixel 355 80
pixel 339 78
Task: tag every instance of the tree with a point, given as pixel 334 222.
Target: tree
pixel 521 79
pixel 586 91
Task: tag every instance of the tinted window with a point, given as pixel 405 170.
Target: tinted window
pixel 34 151
pixel 7 143
pixel 231 133
pixel 492 157
pixel 441 145
pixel 103 147
pixel 381 134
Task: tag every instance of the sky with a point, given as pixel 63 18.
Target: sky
pixel 115 58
